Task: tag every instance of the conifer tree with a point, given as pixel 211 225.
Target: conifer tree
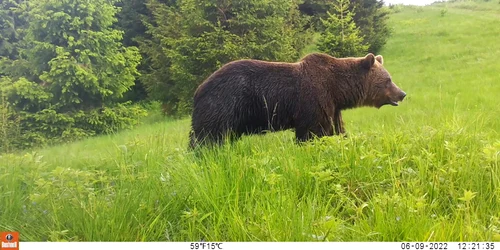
pixel 75 72
pixel 77 54
pixel 341 37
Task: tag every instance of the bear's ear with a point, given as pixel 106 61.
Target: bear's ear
pixel 380 59
pixel 368 61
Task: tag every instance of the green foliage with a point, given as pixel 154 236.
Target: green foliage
pixel 131 18
pixel 9 125
pixel 112 119
pixel 396 8
pixel 371 17
pixel 78 55
pixel 25 95
pixel 70 75
pixel 341 37
pixel 443 12
pixel 190 40
pixel 10 28
pixel 28 119
pixel 316 9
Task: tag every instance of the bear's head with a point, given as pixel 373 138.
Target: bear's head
pixel 380 89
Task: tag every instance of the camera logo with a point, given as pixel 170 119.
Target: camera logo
pixel 9 241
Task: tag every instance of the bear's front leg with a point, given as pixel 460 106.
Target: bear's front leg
pixel 303 134
pixel 338 122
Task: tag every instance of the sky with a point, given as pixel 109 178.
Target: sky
pixel 414 2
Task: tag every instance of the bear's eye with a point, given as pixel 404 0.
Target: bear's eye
pixel 388 84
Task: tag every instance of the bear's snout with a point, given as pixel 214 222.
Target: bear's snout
pixel 397 96
pixel 402 95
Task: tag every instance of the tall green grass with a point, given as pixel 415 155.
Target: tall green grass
pixel 427 170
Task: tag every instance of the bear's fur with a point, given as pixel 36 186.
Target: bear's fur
pixel 252 96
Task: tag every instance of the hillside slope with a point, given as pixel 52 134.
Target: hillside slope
pixel 426 170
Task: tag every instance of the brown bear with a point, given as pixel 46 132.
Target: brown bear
pixel 252 96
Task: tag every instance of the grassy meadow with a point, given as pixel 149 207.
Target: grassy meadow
pixel 427 170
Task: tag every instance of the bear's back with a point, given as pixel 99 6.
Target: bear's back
pixel 250 75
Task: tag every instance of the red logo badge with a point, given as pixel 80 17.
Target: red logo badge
pixel 9 241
